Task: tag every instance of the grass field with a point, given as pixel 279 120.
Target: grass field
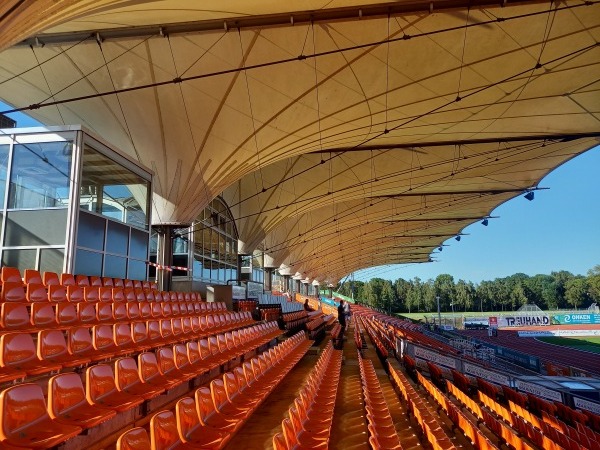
pixel 589 344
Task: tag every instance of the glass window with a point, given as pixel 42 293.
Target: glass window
pixel 138 247
pixel 4 149
pixel 40 175
pixel 90 231
pixel 88 263
pixel 52 260
pixel 117 239
pixel 39 227
pixel 110 189
pixel 21 259
pixel 206 269
pixel 115 266
pixel 137 270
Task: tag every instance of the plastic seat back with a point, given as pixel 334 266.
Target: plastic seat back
pixel 99 382
pixel 148 367
pixel 118 295
pixel 163 431
pixel 145 310
pixel 105 294
pixel 122 335
pixel 43 315
pixel 177 327
pixel 67 279
pixel 134 439
pixel 25 420
pixel 133 311
pixel 102 338
pixel 118 283
pixel 17 349
pixel 13 292
pixel 154 331
pixel 66 314
pixel 57 293
pixel 95 281
pixel 166 329
pixel 180 354
pixel 79 341
pixel 104 312
pixel 75 293
pixel 166 360
pixel 36 292
pixel 126 373
pixel 91 294
pixel 193 352
pixel 51 344
pixel 119 312
pixel 65 391
pixel 187 416
pixel 14 316
pixel 204 404
pixel 11 275
pixel 139 333
pixel 50 279
pixel 82 280
pixel 32 276
pixel 87 313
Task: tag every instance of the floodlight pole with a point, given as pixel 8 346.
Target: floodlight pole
pixel 437 297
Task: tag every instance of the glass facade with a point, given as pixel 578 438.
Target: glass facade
pixel 111 190
pixel 35 178
pixel 91 219
pixel 208 248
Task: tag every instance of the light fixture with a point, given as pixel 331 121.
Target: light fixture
pixel 485 222
pixel 440 248
pixel 530 195
pixel 457 238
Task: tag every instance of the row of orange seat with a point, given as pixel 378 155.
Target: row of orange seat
pixel 16 291
pixel 428 422
pixel 310 417
pixel 458 418
pixel 210 419
pixel 40 316
pixel 20 358
pixel 382 431
pixel 28 421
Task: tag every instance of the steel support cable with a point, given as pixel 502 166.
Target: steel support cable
pixel 288 60
pixel 353 213
pixel 517 150
pixel 433 110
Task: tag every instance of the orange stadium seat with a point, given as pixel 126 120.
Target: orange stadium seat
pixel 25 420
pixel 17 351
pixel 191 430
pixel 128 380
pixel 134 439
pixel 52 347
pixel 101 389
pixel 67 402
pixel 32 276
pixel 150 372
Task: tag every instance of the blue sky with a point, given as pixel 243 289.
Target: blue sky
pixel 558 230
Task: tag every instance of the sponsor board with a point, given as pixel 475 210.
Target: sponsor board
pixel 538 390
pixel 576 319
pixel 484 374
pixel 523 321
pixel 521 359
pixel 587 405
pixel 564 333
pixel 434 357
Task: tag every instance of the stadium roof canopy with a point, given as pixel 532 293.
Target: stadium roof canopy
pixel 343 134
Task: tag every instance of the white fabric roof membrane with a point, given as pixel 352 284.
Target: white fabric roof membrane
pixel 354 140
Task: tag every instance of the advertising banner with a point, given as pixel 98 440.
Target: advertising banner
pixel 576 319
pixel 434 357
pixel 540 391
pixel 564 333
pixel 587 405
pixel 523 321
pixel 484 374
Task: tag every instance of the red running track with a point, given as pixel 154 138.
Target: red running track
pixel 590 362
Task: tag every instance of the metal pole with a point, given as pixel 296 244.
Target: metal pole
pixel 437 297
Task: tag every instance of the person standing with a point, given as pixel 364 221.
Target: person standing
pixel 342 316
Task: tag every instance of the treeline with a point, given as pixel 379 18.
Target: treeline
pixel 559 290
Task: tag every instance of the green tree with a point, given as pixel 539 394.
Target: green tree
pixel 593 280
pixel 576 291
pixel 445 289
pixel 465 295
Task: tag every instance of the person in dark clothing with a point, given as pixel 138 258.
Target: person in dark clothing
pixel 342 316
pixel 307 306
